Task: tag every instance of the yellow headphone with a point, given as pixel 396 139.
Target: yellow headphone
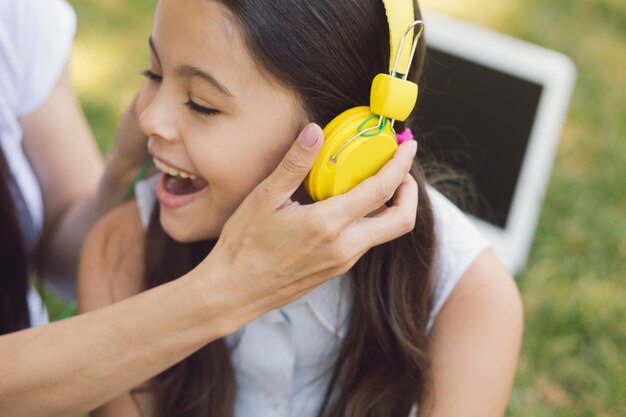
pixel 361 140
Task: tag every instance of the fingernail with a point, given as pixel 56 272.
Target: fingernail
pixel 309 136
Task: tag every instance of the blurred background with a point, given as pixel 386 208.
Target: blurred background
pixel 573 360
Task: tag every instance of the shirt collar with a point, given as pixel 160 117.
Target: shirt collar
pixel 331 303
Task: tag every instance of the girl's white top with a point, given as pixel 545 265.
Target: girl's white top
pixel 35 43
pixel 284 359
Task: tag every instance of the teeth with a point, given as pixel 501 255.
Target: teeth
pixel 172 171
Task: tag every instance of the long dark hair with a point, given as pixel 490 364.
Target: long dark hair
pixel 328 52
pixel 14 257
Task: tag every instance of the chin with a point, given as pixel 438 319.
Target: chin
pixel 185 232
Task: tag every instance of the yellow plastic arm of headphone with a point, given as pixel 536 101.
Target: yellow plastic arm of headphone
pixel 392 97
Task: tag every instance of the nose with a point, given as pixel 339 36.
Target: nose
pixel 156 115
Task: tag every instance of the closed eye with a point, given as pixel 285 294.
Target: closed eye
pixel 152 76
pixel 205 111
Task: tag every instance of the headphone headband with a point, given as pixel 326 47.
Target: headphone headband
pixel 400 15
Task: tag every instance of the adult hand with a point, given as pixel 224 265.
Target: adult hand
pixel 127 159
pixel 130 153
pixel 274 250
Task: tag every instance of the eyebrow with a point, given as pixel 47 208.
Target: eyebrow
pixel 191 71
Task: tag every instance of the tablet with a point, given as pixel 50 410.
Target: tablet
pixel 493 107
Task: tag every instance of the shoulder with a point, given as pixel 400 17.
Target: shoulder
pixel 475 342
pixel 458 245
pixel 118 232
pixel 111 264
pixel 487 283
pixel 28 21
pixel 455 232
pixel 36 40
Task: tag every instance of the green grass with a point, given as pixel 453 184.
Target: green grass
pixel 575 298
pixel 573 288
pixel 110 52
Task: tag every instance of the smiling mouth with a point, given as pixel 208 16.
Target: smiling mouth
pixel 179 182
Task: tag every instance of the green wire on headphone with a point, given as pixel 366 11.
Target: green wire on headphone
pixel 69 311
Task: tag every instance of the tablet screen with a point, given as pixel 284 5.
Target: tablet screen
pixel 478 121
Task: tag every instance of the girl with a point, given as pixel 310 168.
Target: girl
pixel 429 319
pixel 49 171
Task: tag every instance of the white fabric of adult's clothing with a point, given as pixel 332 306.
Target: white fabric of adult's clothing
pixel 284 359
pixel 35 43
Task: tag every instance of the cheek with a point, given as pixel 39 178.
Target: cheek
pixel 260 160
pixel 245 156
pixel 233 170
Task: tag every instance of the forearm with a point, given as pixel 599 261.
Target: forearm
pixel 73 366
pixel 78 188
pixel 65 236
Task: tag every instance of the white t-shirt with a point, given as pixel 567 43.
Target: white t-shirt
pixel 283 360
pixel 35 43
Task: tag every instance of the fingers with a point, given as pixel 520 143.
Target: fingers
pixel 294 167
pixel 375 191
pixel 391 223
pixel 131 142
pixel 130 118
pixel 405 200
pixel 340 250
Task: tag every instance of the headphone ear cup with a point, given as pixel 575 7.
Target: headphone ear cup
pixel 360 159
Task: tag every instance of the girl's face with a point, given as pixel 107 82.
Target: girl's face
pixel 216 124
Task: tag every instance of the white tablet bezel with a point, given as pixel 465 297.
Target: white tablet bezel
pixel 552 70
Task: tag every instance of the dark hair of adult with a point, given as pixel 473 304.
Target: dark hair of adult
pixel 328 52
pixel 14 257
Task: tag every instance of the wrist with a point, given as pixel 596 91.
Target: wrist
pixel 219 308
pixel 235 297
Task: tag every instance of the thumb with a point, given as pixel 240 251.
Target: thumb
pixel 294 167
